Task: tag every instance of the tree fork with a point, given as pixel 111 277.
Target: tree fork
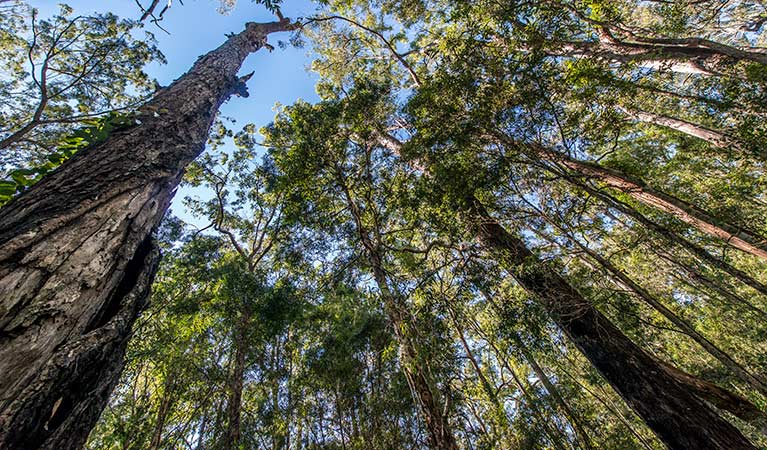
pixel 76 261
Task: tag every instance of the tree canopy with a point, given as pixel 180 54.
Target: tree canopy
pixel 504 225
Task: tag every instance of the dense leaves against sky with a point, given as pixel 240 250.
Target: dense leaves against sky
pixel 499 221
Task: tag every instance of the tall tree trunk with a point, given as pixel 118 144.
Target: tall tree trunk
pixel 700 253
pixel 162 412
pixel 440 434
pixel 682 55
pixel 236 382
pixel 559 401
pixel 623 280
pixel 562 405
pixel 708 287
pixel 547 426
pixel 76 261
pixel 201 433
pixel 677 416
pixel 713 137
pixel 738 237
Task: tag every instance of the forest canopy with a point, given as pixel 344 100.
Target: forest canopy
pixel 496 225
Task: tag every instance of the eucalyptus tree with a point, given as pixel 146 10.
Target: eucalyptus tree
pixel 468 98
pixel 77 257
pixel 332 161
pixel 249 216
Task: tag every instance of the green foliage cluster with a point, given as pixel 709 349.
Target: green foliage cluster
pixel 336 294
pixel 95 131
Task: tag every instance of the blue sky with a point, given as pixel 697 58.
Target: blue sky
pixel 196 28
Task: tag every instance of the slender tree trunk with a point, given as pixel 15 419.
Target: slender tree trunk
pixel 705 285
pixel 553 432
pixel 201 433
pixel 738 237
pixel 684 55
pixel 611 407
pixel 715 138
pixel 623 280
pixel 76 261
pixel 440 433
pixel 562 405
pixel 486 386
pixel 701 253
pixel 162 412
pixel 560 402
pixel 677 416
pixel 236 382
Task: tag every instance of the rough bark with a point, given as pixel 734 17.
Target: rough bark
pixel 76 262
pixel 623 280
pixel 675 414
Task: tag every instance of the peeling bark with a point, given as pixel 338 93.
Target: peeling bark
pixel 76 262
pixel 713 137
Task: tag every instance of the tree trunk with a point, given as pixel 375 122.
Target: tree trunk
pixel 700 253
pixel 162 412
pixel 440 434
pixel 742 239
pixel 715 138
pixel 76 261
pixel 685 55
pixel 548 427
pixel 562 405
pixel 236 381
pixel 623 280
pixel 668 407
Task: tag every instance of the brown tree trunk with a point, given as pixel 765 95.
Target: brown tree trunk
pixel 738 237
pixel 162 412
pixel 236 382
pixel 440 434
pixel 76 260
pixel 677 416
pixel 623 280
pixel 700 253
